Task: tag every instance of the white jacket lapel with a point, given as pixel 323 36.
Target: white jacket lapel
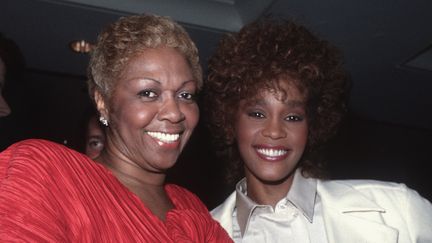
pixel 351 217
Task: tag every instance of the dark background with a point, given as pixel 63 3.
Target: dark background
pixel 387 134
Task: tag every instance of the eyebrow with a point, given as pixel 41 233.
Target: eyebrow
pixel 159 82
pixel 150 79
pixel 291 103
pixel 100 136
pixel 295 103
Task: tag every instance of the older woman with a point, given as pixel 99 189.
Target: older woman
pixel 276 92
pixel 143 75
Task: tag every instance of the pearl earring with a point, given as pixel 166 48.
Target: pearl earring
pixel 103 120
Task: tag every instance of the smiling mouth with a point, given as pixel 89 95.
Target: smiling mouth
pixel 271 154
pixel 165 137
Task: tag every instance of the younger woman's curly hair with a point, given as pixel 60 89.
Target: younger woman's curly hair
pixel 130 36
pixel 260 55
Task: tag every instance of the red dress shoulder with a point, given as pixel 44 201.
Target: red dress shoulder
pixel 49 193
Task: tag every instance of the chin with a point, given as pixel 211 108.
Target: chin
pixel 168 165
pixel 273 181
pixel 165 163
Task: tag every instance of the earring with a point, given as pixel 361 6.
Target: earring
pixel 103 120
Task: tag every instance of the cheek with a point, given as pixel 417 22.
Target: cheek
pixel 244 132
pixel 137 116
pixel 301 137
pixel 245 137
pixel 241 135
pixel 143 116
pixel 191 113
pixel 91 152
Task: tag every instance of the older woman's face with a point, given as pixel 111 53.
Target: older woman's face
pixel 153 109
pixel 4 107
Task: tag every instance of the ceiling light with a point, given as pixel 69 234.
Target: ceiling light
pixel 81 46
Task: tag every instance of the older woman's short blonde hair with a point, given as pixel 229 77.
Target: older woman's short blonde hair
pixel 127 37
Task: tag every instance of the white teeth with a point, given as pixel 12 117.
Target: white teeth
pixel 164 137
pixel 272 152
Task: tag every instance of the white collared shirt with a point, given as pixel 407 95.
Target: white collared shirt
pixel 296 218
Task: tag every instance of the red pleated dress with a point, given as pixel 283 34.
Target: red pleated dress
pixel 49 193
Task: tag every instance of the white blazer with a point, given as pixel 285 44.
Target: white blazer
pixel 363 211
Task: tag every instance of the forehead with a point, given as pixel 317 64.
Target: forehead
pixel 93 127
pixel 283 90
pixel 162 60
pixel 161 55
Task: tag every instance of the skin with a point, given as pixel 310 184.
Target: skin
pixel 4 107
pixel 153 95
pixel 271 134
pixel 95 138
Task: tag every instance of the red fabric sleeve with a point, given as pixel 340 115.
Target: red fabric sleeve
pixel 27 211
pixel 192 222
pixel 49 193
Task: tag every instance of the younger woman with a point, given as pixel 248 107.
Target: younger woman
pixel 276 92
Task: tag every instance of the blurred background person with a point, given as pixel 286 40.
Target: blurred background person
pixel 4 107
pixel 95 138
pixel 12 66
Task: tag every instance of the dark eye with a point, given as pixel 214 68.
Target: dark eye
pixel 187 96
pixel 147 94
pixel 256 114
pixel 294 118
pixel 95 143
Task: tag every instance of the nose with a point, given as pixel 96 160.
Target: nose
pixel 170 110
pixel 274 129
pixel 4 107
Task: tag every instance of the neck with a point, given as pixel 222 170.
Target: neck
pixel 129 172
pixel 267 193
pixel 147 186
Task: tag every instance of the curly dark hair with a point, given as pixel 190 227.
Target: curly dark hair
pixel 260 55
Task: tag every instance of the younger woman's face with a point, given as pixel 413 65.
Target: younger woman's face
pixel 271 134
